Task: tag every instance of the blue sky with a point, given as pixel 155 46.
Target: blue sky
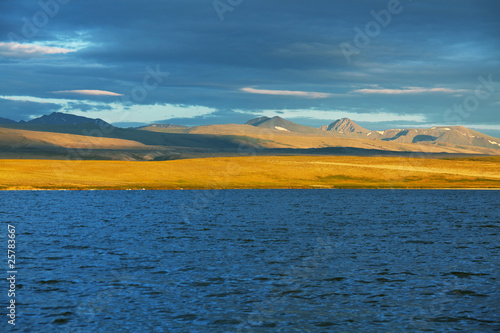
pixel 384 64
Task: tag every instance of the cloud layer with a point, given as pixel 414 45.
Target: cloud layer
pixel 17 50
pixel 88 92
pixel 410 90
pixel 306 94
pixel 264 57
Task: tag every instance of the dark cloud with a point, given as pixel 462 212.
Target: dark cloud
pixel 218 117
pixel 273 45
pixel 22 110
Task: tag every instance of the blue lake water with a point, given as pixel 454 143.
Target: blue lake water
pixel 254 261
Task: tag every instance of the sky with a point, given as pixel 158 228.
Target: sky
pixel 384 64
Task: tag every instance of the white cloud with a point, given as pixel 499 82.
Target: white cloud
pixel 145 113
pixel 485 127
pixel 88 92
pixel 116 112
pixel 330 115
pixel 409 90
pixel 307 94
pixel 18 50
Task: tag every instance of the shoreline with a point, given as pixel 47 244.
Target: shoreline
pixel 252 188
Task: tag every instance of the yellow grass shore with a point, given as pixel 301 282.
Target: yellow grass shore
pixel 254 172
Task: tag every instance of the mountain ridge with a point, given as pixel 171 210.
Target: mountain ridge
pixel 281 124
pixel 59 118
pixel 4 121
pixel 345 125
pixel 457 135
pixel 263 134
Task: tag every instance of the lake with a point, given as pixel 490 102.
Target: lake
pixel 253 260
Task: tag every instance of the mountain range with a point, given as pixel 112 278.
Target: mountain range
pixel 6 121
pixel 456 135
pixel 280 124
pixel 57 118
pixel 52 135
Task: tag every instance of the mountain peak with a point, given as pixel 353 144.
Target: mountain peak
pixel 280 124
pixel 346 125
pixel 6 121
pixel 59 118
pixel 257 121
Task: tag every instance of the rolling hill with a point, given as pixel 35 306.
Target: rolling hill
pixel 12 138
pixel 346 126
pixel 58 118
pixel 57 133
pixel 166 128
pixel 280 124
pixel 452 135
pixel 6 121
pixel 84 138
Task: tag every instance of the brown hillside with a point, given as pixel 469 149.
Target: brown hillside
pixel 15 138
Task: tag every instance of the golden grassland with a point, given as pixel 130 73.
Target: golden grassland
pixel 254 172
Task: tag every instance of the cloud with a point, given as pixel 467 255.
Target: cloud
pixel 18 50
pixel 291 45
pixel 88 92
pixel 410 90
pixel 330 115
pixel 23 109
pixel 306 94
pixel 86 107
pixel 113 112
pixel 144 113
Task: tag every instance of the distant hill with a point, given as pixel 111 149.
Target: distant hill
pixel 58 118
pixel 165 128
pixel 16 138
pixel 280 124
pixel 6 121
pixel 455 135
pixel 262 135
pixel 19 138
pixel 346 126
